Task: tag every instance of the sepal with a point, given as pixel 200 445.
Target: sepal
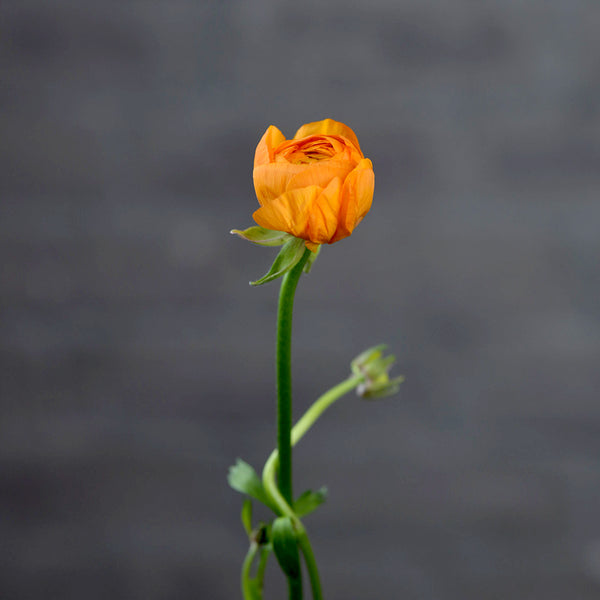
pixel 288 257
pixel 381 390
pixel 285 546
pixel 262 236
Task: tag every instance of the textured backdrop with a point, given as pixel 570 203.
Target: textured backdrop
pixel 136 363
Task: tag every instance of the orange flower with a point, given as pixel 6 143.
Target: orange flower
pixel 317 186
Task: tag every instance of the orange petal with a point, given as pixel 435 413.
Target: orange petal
pixel 271 180
pixel 323 213
pixel 289 212
pixel 268 142
pixel 320 173
pixel 356 198
pixel 328 127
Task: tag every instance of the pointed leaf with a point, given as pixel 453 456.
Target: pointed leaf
pixel 262 236
pixel 286 260
pixel 309 501
pixel 247 516
pixel 243 478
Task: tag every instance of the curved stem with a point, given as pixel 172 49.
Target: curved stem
pixel 311 564
pixel 284 375
pixel 246 583
pixel 307 420
pixel 271 488
pixel 252 587
pixel 321 404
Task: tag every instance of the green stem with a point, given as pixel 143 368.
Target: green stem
pixel 322 403
pixel 302 426
pixel 246 584
pixel 311 564
pixel 284 375
pixel 252 587
pixel 295 587
pixel 307 420
pixel 262 565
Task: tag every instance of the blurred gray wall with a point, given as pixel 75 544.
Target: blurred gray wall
pixel 137 363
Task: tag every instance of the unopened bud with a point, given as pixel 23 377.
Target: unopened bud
pixel 374 367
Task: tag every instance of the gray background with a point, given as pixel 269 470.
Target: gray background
pixel 137 364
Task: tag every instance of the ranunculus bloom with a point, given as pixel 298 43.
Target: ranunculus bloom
pixel 317 186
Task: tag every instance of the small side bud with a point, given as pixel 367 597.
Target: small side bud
pixel 374 367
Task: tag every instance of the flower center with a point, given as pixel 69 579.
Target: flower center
pixel 309 152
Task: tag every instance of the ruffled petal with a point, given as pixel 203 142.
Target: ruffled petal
pixel 288 212
pixel 317 186
pixel 356 199
pixel 323 213
pixel 271 180
pixel 328 127
pixel 320 173
pixel 268 142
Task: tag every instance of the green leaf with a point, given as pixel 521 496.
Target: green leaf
pixel 285 546
pixel 288 257
pixel 247 516
pixel 243 478
pixel 309 501
pixel 262 236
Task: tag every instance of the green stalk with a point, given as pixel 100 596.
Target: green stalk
pixel 322 403
pixel 307 420
pixel 246 583
pixel 295 588
pixel 284 375
pixel 302 426
pixel 280 460
pixel 311 564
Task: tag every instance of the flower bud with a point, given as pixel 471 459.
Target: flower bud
pixel 317 186
pixel 374 367
pixel 285 546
